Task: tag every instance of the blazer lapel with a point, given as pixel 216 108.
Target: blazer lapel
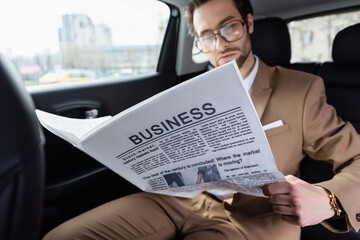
pixel 261 89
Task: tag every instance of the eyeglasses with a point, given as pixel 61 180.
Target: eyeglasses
pixel 230 32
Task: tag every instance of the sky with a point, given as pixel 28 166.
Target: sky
pixel 30 26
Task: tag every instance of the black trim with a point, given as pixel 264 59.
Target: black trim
pixel 324 13
pixel 58 188
pixel 167 59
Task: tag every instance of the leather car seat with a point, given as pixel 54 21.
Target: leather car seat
pixel 271 42
pixel 21 159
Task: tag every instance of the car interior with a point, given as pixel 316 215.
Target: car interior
pixel 46 181
pixel 22 159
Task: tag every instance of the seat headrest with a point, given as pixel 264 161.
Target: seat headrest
pixel 346 48
pixel 271 41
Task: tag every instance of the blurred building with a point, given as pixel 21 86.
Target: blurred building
pixel 79 31
pixel 84 45
pixel 103 37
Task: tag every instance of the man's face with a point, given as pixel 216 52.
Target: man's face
pixel 217 13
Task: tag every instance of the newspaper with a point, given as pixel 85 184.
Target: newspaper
pixel 200 135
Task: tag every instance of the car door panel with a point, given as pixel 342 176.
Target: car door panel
pixel 75 182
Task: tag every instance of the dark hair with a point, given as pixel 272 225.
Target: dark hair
pixel 244 7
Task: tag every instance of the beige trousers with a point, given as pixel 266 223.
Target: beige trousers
pixel 151 216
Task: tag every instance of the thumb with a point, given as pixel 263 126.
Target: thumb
pixel 291 178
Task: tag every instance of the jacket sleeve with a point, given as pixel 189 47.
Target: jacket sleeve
pixel 329 138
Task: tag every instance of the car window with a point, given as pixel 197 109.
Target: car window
pixel 312 38
pixel 72 40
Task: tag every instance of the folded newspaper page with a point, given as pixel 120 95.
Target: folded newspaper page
pixel 201 135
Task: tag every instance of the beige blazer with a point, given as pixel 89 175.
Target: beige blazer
pixel 311 127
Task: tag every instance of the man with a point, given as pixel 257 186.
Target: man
pixel 223 29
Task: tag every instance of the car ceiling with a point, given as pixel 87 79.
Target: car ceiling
pixel 289 9
pixel 293 9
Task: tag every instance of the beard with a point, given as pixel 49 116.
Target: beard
pixel 244 52
pixel 243 57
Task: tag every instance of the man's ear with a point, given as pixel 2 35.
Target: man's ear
pixel 250 23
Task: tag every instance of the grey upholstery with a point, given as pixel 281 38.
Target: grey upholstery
pixel 21 159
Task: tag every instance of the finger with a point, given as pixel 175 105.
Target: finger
pixel 284 209
pixel 276 188
pixel 291 178
pixel 281 199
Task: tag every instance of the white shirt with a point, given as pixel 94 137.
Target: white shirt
pixel 249 81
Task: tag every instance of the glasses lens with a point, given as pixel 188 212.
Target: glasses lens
pixel 206 43
pixel 232 31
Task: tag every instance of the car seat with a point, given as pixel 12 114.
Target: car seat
pixel 21 159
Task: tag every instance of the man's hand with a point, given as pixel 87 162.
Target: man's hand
pixel 299 202
pixel 199 178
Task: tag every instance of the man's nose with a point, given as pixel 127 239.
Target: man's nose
pixel 220 43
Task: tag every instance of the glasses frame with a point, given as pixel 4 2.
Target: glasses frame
pixel 197 41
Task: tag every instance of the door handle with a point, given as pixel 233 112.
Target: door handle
pixel 79 109
pixel 92 113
